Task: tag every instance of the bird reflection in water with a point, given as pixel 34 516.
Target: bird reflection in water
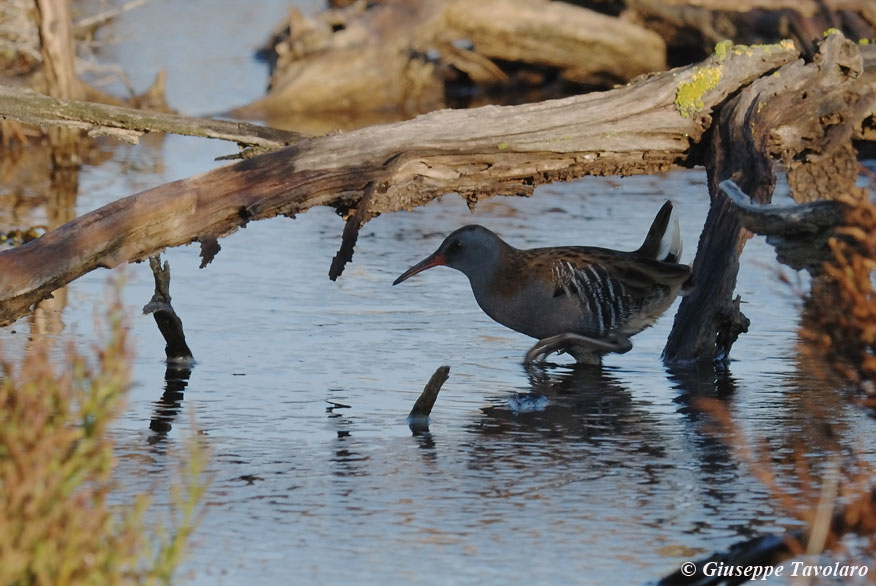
pixel 569 416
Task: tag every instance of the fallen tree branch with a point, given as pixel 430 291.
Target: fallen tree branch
pixel 88 24
pixel 30 107
pixel 644 127
pixel 772 220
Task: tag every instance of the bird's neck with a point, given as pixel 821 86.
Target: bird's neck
pixel 488 277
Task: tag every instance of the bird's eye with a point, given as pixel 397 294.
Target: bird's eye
pixel 457 245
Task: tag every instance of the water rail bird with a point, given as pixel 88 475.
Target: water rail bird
pixel 583 300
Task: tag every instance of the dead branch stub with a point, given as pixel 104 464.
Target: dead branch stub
pixel 169 323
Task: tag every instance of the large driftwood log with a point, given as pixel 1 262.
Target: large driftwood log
pixel 410 56
pixel 400 53
pixel 804 115
pixel 645 127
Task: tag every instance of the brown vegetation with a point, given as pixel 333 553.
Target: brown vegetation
pixel 839 319
pixel 57 526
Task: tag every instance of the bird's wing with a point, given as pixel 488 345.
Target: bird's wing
pixel 612 285
pixel 592 284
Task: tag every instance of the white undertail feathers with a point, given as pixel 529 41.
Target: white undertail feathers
pixel 671 244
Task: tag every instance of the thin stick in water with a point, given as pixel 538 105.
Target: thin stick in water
pixel 423 406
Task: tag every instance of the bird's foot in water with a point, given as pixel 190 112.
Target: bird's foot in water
pixel 583 349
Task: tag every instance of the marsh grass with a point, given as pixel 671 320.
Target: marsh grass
pixel 57 526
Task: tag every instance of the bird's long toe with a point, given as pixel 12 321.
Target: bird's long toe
pixel 583 349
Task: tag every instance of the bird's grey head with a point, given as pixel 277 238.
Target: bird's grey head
pixel 474 250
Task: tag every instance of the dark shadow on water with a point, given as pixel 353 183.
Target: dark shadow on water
pixel 699 385
pixel 586 423
pixel 726 486
pixel 426 441
pixel 701 381
pixel 176 379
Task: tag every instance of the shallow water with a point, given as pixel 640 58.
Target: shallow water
pixel 564 476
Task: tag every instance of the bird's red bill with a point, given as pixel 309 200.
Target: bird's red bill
pixel 430 261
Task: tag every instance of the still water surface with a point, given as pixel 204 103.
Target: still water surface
pixel 563 476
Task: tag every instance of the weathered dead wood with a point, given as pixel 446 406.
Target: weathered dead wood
pixel 805 7
pixel 584 46
pixel 400 53
pixel 30 107
pixel 19 38
pixel 423 407
pixel 692 27
pixel 58 48
pixel 59 72
pixel 805 219
pixel 799 233
pixel 803 115
pixel 169 323
pixel 645 127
